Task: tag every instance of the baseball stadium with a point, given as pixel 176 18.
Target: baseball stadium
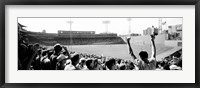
pixel 109 45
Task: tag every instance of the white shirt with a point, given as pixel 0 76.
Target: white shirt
pixel 69 67
pixel 144 66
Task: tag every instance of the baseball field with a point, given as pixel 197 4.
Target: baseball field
pixel 117 50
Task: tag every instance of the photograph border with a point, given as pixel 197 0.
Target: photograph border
pixel 99 2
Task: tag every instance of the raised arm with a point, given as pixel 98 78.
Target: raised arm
pixel 130 49
pixel 153 47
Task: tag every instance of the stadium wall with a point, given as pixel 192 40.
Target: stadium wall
pixel 146 39
pixel 51 39
pixel 173 43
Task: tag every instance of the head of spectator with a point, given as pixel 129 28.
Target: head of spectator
pixel 82 64
pixel 75 59
pixel 97 64
pixel 119 61
pixel 89 64
pixel 122 67
pixel 82 61
pixel 50 52
pixel 111 64
pixel 177 54
pixel 131 66
pixel 159 65
pixel 61 62
pixel 36 46
pixel 174 60
pixel 126 62
pixel 33 49
pixel 57 48
pixel 40 52
pixel 144 56
pixel 30 46
pixel 44 52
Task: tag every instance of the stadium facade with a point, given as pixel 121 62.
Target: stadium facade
pixel 69 37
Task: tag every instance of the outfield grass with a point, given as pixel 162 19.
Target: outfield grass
pixel 116 50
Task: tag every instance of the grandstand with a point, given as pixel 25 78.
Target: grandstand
pixel 72 38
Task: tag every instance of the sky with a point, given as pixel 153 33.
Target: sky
pixel 120 26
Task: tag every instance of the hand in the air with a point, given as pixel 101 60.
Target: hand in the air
pixel 128 38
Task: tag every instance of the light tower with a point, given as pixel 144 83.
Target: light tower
pixel 70 24
pixel 129 20
pixel 160 24
pixel 106 25
pixel 70 28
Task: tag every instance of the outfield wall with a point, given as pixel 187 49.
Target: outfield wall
pixel 173 43
pixel 146 39
pixel 160 39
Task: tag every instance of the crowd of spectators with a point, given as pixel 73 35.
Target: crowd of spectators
pixel 34 57
pixel 171 62
pixel 37 57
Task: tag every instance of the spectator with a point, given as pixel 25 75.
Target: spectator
pixel 36 58
pixel 90 64
pixel 23 49
pixel 46 63
pixel 37 61
pixel 122 67
pixel 111 64
pixel 82 64
pixel 145 63
pixel 69 65
pixel 75 59
pixel 32 53
pixel 61 61
pixel 53 58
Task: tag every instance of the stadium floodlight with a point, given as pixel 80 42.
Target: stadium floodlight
pixel 70 23
pixel 160 24
pixel 106 25
pixel 129 20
